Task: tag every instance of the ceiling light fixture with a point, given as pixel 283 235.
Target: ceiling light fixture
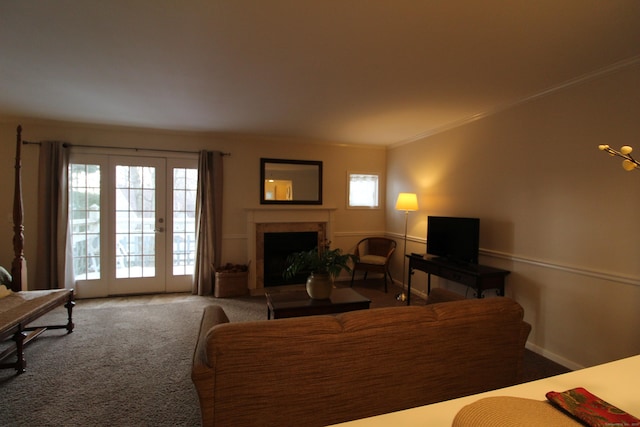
pixel 629 163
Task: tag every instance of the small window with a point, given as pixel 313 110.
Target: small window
pixel 363 190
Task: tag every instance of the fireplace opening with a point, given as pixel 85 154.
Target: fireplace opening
pixel 277 247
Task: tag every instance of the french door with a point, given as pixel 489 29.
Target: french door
pixel 132 224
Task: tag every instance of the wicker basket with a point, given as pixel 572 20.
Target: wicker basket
pixel 231 284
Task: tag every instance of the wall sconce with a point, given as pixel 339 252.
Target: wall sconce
pixel 629 163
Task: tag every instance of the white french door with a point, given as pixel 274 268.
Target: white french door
pixel 137 226
pixel 133 224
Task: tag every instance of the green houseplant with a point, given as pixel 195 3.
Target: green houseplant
pixel 323 265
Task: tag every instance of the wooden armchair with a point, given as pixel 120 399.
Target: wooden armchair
pixel 373 254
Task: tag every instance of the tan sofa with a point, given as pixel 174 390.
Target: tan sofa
pixel 320 370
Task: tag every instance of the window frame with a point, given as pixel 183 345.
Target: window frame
pixel 378 175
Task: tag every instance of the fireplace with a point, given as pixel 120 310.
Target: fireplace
pixel 270 240
pixel 277 247
pixel 290 219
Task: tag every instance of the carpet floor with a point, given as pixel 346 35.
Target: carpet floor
pixel 128 362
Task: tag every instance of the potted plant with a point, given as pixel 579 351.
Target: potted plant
pixel 323 265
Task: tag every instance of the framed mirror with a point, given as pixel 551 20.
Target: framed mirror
pixel 290 182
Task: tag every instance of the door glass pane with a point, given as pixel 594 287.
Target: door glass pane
pixel 135 221
pixel 84 214
pixel 185 184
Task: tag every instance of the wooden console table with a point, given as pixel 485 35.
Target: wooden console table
pixel 476 276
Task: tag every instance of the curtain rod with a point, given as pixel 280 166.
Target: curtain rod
pixel 66 145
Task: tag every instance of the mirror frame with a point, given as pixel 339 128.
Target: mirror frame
pixel 263 174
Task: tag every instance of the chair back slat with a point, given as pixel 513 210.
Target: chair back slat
pixel 380 246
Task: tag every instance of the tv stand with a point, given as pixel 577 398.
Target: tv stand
pixel 448 261
pixel 476 276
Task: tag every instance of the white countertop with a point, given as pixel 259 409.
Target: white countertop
pixel 615 382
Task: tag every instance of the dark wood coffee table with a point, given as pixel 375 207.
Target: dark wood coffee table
pixel 297 303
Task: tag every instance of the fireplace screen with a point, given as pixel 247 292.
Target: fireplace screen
pixel 277 247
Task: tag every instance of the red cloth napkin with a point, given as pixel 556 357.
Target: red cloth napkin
pixel 590 409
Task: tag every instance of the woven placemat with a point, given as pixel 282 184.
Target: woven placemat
pixel 512 412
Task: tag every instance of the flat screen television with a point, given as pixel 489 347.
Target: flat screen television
pixel 454 239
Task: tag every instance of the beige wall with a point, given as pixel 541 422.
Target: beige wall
pixel 562 216
pixel 556 212
pixel 241 178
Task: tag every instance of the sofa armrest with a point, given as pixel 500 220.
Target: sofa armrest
pixel 213 315
pixel 438 295
pixel 202 373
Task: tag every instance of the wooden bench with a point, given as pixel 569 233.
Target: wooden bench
pixel 19 310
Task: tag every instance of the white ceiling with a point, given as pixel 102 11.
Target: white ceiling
pixel 352 71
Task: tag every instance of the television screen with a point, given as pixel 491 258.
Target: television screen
pixel 455 239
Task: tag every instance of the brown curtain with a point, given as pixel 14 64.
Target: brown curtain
pixel 208 220
pixel 52 216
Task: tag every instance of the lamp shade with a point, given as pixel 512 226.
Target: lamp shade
pixel 407 202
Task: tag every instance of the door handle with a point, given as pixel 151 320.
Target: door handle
pixel 160 229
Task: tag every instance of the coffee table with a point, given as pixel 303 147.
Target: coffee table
pixel 297 303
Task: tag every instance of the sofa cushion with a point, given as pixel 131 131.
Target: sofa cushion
pixel 373 259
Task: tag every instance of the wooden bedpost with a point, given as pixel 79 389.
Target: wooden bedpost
pixel 19 264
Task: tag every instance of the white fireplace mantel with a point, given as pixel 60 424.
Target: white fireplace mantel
pixel 289 214
pixel 282 215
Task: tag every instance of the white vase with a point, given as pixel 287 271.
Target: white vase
pixel 319 286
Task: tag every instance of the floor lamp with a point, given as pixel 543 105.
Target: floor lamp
pixel 406 202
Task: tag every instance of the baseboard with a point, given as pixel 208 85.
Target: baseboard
pixel 553 357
